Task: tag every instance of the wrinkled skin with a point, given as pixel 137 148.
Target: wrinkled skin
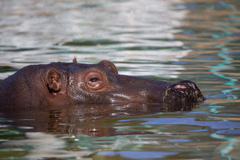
pixel 76 83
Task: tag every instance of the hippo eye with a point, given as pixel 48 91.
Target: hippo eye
pixel 95 81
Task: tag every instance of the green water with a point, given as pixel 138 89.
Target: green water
pixel 170 40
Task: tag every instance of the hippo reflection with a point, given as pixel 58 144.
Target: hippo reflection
pixel 88 119
pixel 75 83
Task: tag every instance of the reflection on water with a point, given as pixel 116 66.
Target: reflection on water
pixel 78 117
pixel 75 123
pixel 168 40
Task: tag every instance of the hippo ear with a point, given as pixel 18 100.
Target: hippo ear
pixel 54 81
pixel 75 60
pixel 108 66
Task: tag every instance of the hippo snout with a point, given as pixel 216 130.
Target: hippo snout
pixel 182 94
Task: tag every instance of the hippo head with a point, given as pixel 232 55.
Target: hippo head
pixel 72 83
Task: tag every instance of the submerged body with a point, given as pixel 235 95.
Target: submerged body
pixel 74 83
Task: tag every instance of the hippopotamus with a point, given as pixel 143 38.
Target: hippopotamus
pixel 62 83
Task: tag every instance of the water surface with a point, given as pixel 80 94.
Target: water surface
pixel 164 40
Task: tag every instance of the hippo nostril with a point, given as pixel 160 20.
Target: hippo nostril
pixel 180 86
